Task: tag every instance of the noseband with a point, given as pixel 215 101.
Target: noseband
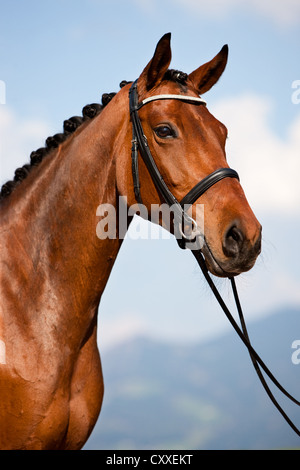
pixel 140 143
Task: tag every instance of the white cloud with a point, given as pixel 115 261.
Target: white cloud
pixel 285 13
pixel 121 328
pixel 146 5
pixel 268 165
pixel 17 140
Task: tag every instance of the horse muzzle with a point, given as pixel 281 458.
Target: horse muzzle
pixel 239 253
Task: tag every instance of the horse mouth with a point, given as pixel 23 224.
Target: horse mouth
pixel 229 268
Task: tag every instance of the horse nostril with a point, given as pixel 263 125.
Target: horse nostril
pixel 233 242
pixel 257 246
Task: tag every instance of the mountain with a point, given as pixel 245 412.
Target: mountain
pixel 204 396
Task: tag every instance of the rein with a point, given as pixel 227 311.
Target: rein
pixel 140 143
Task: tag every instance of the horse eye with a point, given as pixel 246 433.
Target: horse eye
pixel 164 132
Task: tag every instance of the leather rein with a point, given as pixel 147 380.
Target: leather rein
pixel 140 145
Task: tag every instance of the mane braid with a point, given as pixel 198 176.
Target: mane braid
pixel 69 126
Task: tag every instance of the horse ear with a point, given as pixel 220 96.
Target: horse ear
pixel 158 65
pixel 208 74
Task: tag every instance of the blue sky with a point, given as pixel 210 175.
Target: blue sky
pixel 58 55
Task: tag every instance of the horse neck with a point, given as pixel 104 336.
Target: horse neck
pixel 52 219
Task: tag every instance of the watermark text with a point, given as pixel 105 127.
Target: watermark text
pixel 296 94
pixel 296 353
pixel 114 221
pixel 2 92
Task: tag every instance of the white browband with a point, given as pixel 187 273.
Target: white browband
pixel 193 99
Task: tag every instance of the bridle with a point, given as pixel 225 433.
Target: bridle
pixel 140 145
pixel 139 142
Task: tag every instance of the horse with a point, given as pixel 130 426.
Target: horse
pixel 54 266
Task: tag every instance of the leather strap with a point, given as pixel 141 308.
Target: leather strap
pixel 206 183
pixel 187 99
pixel 243 334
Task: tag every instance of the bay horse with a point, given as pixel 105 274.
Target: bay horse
pixel 54 267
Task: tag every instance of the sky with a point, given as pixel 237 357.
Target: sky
pixel 56 56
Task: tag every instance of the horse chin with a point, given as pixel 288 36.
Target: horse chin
pixel 211 263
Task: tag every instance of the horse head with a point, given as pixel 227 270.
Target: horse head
pixel 187 144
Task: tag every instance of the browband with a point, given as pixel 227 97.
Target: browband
pixel 189 99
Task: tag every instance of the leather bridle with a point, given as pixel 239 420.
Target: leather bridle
pixel 140 145
pixel 139 142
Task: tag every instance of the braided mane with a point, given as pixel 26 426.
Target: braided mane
pixel 69 126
